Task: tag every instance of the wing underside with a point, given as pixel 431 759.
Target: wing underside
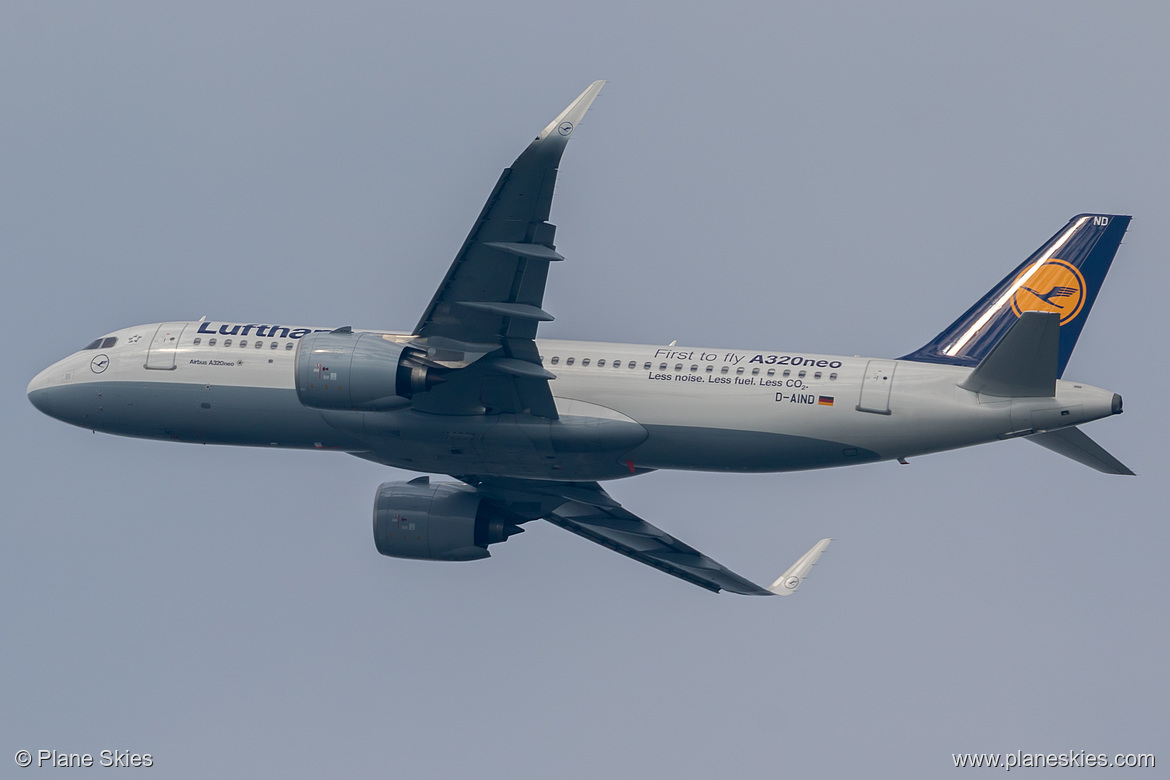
pixel 481 323
pixel 588 511
pixel 628 534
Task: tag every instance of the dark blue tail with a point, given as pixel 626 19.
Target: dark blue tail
pixel 1064 276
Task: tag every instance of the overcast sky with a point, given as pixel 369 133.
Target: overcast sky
pixel 835 178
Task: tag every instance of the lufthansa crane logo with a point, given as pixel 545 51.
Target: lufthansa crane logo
pixel 1056 286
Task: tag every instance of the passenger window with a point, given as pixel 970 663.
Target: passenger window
pixel 771 372
pixel 93 344
pixel 661 366
pixel 739 370
pixel 817 375
pixel 601 362
pixel 555 360
pixel 723 370
pixel 646 366
pixel 787 372
pixel 584 361
pixel 260 345
pixel 755 371
pixel 694 367
pixel 197 341
pixel 243 342
pixel 107 343
pixel 211 342
pixel 273 345
pixel 288 345
pixel 569 362
pixel 678 366
pixel 832 376
pixel 802 374
pixel 227 342
pixel 710 368
pixel 617 364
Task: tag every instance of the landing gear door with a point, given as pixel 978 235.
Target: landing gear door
pixel 875 388
pixel 164 345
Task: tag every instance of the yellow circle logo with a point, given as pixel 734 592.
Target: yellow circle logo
pixel 1056 286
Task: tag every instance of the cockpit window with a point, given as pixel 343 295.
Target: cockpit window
pixel 102 343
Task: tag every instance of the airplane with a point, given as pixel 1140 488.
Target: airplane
pixel 530 427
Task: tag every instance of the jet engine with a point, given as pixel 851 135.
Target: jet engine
pixel 442 522
pixel 341 369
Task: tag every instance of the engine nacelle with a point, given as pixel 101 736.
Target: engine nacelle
pixel 356 371
pixel 442 522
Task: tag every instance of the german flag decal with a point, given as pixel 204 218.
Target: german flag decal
pixel 825 400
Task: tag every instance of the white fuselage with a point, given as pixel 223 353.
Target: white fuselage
pixel 623 408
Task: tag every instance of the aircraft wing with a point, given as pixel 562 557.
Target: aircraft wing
pixel 588 511
pixel 486 310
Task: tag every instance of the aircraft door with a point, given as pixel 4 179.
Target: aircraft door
pixel 875 388
pixel 164 345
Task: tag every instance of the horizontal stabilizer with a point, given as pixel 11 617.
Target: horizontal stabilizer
pixel 1023 363
pixel 1076 444
pixel 789 581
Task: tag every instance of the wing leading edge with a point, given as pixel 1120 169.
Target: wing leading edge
pixel 588 511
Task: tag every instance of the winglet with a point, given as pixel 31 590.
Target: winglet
pixel 568 119
pixel 790 580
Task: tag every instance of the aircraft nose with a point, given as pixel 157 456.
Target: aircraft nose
pixel 38 389
pixel 49 390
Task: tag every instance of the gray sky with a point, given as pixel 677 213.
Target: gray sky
pixel 819 177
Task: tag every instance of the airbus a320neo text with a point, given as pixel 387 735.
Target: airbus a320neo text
pixel 530 427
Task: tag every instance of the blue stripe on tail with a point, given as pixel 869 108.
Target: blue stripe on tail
pixel 1063 276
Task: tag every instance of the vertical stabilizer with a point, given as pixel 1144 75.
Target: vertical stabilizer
pixel 1063 277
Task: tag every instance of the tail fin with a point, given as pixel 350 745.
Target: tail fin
pixel 1063 276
